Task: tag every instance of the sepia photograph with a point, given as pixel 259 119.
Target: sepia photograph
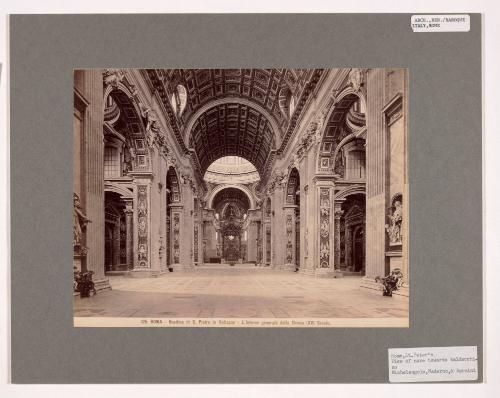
pixel 240 198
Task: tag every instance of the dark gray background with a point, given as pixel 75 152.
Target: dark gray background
pixel 445 194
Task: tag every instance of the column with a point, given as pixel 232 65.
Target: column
pixel 252 242
pixel 325 246
pixel 129 251
pixel 116 245
pixel 182 237
pixel 278 243
pixel 94 175
pixel 348 246
pixel 375 175
pixel 143 228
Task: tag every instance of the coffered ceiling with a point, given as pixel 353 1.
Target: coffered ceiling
pixel 232 129
pixel 241 112
pixel 261 86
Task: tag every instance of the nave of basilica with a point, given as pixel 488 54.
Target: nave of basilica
pixel 294 170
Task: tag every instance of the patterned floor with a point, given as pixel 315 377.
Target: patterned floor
pixel 245 292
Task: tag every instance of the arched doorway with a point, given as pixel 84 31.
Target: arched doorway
pixel 358 250
pixel 293 235
pixel 352 233
pixel 115 233
pixel 173 197
pixel 230 224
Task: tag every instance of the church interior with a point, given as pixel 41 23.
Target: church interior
pixel 299 172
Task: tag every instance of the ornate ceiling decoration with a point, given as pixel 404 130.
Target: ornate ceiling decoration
pixel 261 86
pixel 232 129
pixel 280 94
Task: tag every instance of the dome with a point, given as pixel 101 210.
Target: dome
pixel 231 169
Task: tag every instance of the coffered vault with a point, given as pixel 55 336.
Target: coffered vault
pixel 240 112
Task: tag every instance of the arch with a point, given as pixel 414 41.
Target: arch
pixel 173 186
pixel 232 100
pixel 341 144
pixel 350 143
pixel 358 255
pixel 335 129
pixel 119 189
pixel 219 188
pixel 352 189
pixel 293 183
pixel 126 118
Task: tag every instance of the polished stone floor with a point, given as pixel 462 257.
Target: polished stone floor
pixel 241 292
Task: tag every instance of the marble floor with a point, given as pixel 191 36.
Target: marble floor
pixel 240 292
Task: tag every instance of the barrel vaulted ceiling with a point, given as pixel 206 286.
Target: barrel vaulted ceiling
pixel 241 112
pixel 232 129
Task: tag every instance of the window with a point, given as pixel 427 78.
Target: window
pixel 179 99
pixel 182 93
pixel 292 105
pixel 111 162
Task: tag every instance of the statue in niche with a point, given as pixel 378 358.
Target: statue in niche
pixel 394 227
pixel 80 221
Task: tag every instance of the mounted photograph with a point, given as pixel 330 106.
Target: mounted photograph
pixel 240 198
